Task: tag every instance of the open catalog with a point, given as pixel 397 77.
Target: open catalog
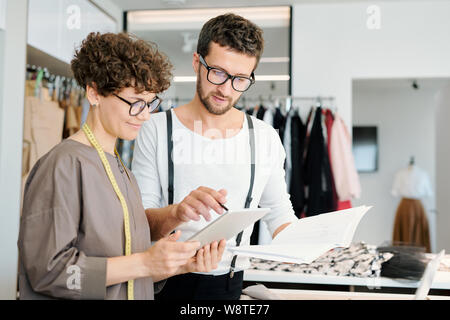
pixel 306 239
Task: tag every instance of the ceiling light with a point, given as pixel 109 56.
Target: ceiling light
pixel 195 18
pixel 274 59
pixel 282 77
pixel 184 79
pixel 174 2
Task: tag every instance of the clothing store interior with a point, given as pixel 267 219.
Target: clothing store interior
pixel 358 92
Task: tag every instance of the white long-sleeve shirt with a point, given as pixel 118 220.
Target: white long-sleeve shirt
pixel 217 164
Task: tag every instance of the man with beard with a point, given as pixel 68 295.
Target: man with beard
pixel 194 159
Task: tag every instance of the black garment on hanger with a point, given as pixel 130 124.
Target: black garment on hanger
pixel 260 113
pixel 279 122
pixel 297 186
pixel 249 111
pixel 317 171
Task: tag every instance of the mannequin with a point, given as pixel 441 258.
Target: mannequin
pixel 411 184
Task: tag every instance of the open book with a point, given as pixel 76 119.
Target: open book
pixel 306 239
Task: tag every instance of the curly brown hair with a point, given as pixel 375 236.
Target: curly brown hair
pixel 110 62
pixel 233 31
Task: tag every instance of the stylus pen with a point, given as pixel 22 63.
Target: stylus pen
pixel 223 206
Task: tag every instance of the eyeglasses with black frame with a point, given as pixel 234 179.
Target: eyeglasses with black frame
pixel 218 76
pixel 138 106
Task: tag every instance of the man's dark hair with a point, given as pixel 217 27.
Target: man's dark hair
pixel 232 31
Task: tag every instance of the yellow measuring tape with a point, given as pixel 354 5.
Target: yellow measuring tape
pixel 126 216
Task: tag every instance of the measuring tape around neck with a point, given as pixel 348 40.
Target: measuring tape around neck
pixel 126 216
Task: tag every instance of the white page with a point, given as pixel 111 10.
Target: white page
pixel 335 228
pixel 306 239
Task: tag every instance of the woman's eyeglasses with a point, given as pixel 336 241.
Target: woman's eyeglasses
pixel 138 106
pixel 218 76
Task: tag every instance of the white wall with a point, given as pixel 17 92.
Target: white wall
pixel 405 119
pixel 443 176
pixel 332 45
pixel 113 10
pixel 68 21
pixel 12 79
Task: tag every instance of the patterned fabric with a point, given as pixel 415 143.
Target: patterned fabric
pixel 358 260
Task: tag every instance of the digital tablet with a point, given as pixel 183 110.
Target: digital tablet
pixel 228 225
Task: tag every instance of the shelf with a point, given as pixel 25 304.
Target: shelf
pixel 54 65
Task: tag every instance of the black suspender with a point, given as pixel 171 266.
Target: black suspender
pixel 169 154
pixel 249 198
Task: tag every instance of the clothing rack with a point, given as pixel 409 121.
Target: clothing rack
pixel 64 86
pixel 286 103
pixel 261 99
pixel 289 101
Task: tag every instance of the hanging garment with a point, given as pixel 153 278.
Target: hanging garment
pixel 43 126
pixel 329 119
pixel 279 122
pixel 268 116
pixel 345 175
pixel 260 113
pixel 30 88
pixel 72 121
pixel 411 224
pixel 287 147
pixel 255 111
pixel 317 171
pixel 297 186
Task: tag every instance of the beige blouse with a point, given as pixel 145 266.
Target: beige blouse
pixel 72 221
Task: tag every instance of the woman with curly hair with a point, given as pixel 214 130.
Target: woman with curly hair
pixel 83 230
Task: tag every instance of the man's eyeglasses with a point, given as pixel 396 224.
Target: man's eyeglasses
pixel 138 106
pixel 218 76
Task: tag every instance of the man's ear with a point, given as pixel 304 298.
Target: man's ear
pixel 196 62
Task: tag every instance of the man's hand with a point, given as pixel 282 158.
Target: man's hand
pixel 198 203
